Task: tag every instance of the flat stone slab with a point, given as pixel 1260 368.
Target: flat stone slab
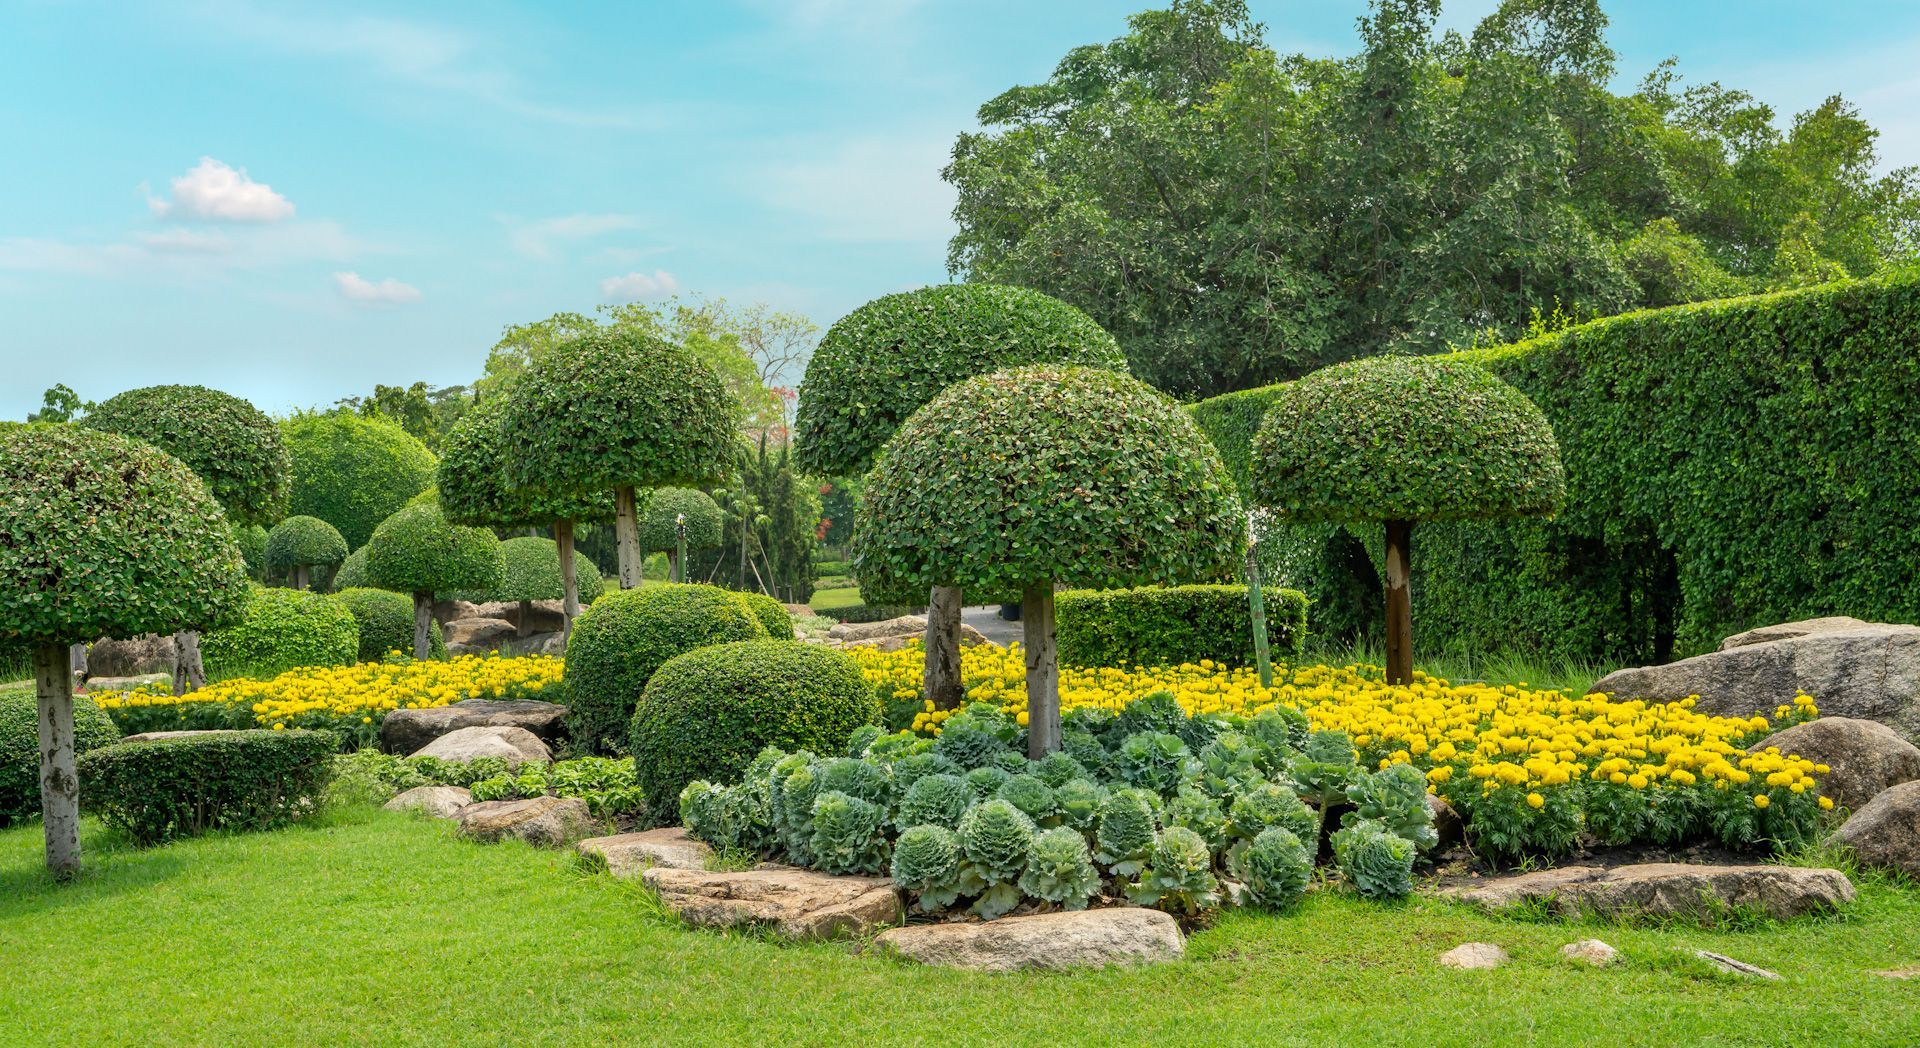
pixel 405 731
pixel 630 854
pixel 1123 935
pixel 546 822
pixel 800 904
pixel 516 746
pixel 1664 889
pixel 1474 956
pixel 1791 630
pixel 155 736
pixel 1734 967
pixel 441 802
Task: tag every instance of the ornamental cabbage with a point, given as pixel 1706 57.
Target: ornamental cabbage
pixel 1377 862
pixel 915 766
pixel 1276 867
pixel 1396 796
pixel 1125 837
pixel 1270 806
pixel 1079 801
pixel 862 737
pixel 1199 812
pixel 797 794
pixel 855 778
pixel 849 834
pixel 1085 748
pixel 1180 877
pixel 1060 870
pixel 1325 767
pixel 927 862
pixel 703 812
pixel 938 799
pixel 1154 761
pixel 1230 765
pixel 968 747
pixel 1157 711
pixel 1059 767
pixel 986 782
pixel 997 840
pixel 1031 796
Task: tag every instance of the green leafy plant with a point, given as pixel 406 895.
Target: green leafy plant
pixel 1060 870
pixel 1126 833
pixel 935 799
pixel 385 619
pixel 1198 811
pixel 856 778
pixel 986 782
pixel 1154 761
pixel 180 787
pixel 1169 625
pixel 1079 801
pixel 1396 797
pixel 848 834
pixel 234 448
pixel 1325 767
pixel 1032 796
pixel 352 471
pixel 1375 860
pixel 20 749
pixel 418 551
pixel 997 840
pixel 927 861
pixel 1272 806
pixel 1179 877
pixel 1276 867
pixel 299 544
pixel 284 629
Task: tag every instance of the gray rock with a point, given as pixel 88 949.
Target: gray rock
pixel 1869 673
pixel 1664 889
pixel 1474 956
pixel 1728 964
pixel 1590 951
pixel 1446 823
pixel 95 685
pixel 1124 935
pixel 405 731
pixel 905 628
pixel 139 656
pixel 533 644
pixel 441 802
pixel 155 736
pixel 1864 757
pixel 474 635
pixel 546 822
pixel 800 904
pixel 514 745
pixel 628 854
pixel 1886 830
pixel 1790 630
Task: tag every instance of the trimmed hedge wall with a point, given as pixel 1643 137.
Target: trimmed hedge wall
pixel 184 786
pixel 1729 464
pixel 1166 626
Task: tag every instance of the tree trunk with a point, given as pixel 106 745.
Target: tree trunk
pixel 673 565
pixel 1257 614
pixel 189 672
pixel 422 626
pixel 941 676
pixel 525 625
pixel 1043 671
pixel 626 529
pixel 569 584
pixel 300 576
pixel 59 783
pixel 1399 604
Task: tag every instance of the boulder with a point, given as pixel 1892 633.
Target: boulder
pixel 151 736
pixel 1886 830
pixel 515 745
pixel 1864 757
pixel 882 644
pixel 445 611
pixel 474 635
pixel 405 731
pixel 149 653
pixel 1590 951
pixel 1446 823
pixel 800 904
pixel 533 644
pixel 546 822
pixel 1664 889
pixel 1733 967
pixel 628 854
pixel 904 626
pixel 96 685
pixel 800 609
pixel 441 802
pixel 1869 673
pixel 1474 956
pixel 1790 630
pixel 1120 935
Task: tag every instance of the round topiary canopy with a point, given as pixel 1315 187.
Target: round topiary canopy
pixel 105 536
pixel 299 542
pixel 1405 438
pixel 664 505
pixel 1021 477
pixel 353 472
pixel 472 480
pixel 530 570
pixel 234 448
pixel 417 551
pixel 878 364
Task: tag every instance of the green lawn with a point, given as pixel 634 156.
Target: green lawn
pixel 383 929
pixel 829 599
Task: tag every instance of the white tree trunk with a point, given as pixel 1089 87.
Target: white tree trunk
pixel 941 675
pixel 1043 671
pixel 569 585
pixel 189 671
pixel 422 626
pixel 301 576
pixel 626 527
pixel 59 782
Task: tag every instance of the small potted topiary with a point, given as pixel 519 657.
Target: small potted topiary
pixel 1394 440
pixel 676 519
pixel 299 544
pixel 880 363
pixel 418 551
pixel 100 536
pixel 1094 479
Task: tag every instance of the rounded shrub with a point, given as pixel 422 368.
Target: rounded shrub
pixel 252 540
pixel 353 472
pixel 303 542
pixel 473 487
pixel 530 570
pixel 385 619
pixel 708 712
pixel 352 573
pixel 626 635
pixel 660 513
pixel 284 629
pixel 20 748
pixel 234 780
pixel 417 551
pixel 880 363
pixel 771 613
pixel 234 448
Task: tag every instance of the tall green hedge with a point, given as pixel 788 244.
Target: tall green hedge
pixel 1728 464
pixel 1169 625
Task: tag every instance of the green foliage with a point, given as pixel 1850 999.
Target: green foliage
pixel 530 570
pixel 283 629
pixel 1179 878
pixel 791 804
pixel 1273 806
pixel 707 712
pixel 474 488
pixel 771 613
pixel 103 536
pixel 1325 767
pixel 233 448
pixel 1058 768
pixel 20 748
pixel 1126 834
pixel 1276 868
pixel 1079 801
pixel 997 840
pixel 882 362
pixel 352 572
pixel 1231 764
pixel 986 782
pixel 661 511
pixel 848 834
pixel 1198 811
pixel 1060 870
pixel 385 619
pixel 1155 711
pixel 425 411
pixel 913 767
pixel 184 786
pixel 969 747
pixel 926 862
pixel 302 542
pixel 1033 797
pixel 1097 479
pixel 417 551
pixel 857 778
pixel 1396 798
pixel 1377 862
pixel 353 472
pixel 1154 761
pixel 252 541
pixel 938 799
pixel 1169 625
pixel 775 513
pixel 608 786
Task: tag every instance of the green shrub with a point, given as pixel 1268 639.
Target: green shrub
pixel 530 570
pixel 626 635
pixel 184 786
pixel 708 712
pixel 471 480
pixel 227 442
pixel 353 472
pixel 663 505
pixel 1378 863
pixel 283 629
pixel 252 540
pixel 352 573
pixel 1166 626
pixel 1276 868
pixel 926 861
pixel 20 748
pixel 771 613
pixel 302 542
pixel 417 551
pixel 385 619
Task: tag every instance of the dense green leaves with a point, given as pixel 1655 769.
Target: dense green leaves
pixel 231 780
pixel 353 472
pixel 1169 625
pixel 234 448
pixel 284 629
pixel 385 619
pixel 417 551
pixel 474 488
pixel 663 507
pixel 530 570
pixel 20 748
pixel 301 542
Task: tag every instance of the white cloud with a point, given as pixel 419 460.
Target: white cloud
pixel 186 254
pixel 213 190
pixel 875 189
pixel 538 239
pixel 356 288
pixel 635 287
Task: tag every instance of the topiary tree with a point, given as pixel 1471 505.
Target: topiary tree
pixel 880 363
pixel 474 489
pixel 1010 482
pixel 100 536
pixel 352 471
pixel 385 619
pixel 284 629
pixel 1394 440
pixel 298 544
pixel 352 573
pixel 234 448
pixel 669 509
pixel 252 540
pixel 530 571
pixel 619 409
pixel 417 551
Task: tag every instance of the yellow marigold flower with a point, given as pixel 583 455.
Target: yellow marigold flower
pixel 1761 800
pixel 1534 800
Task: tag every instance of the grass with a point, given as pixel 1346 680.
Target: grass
pixel 367 927
pixel 829 599
pixel 1508 668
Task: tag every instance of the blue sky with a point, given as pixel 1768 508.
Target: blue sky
pixel 294 201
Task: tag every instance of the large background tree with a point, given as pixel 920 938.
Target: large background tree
pixel 352 471
pixel 1236 217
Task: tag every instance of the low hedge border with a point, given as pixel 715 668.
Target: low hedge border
pixel 1169 625
pixel 161 789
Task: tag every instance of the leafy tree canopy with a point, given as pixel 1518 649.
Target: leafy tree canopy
pixel 234 448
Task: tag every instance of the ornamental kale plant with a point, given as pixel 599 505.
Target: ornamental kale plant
pixel 1060 870
pixel 1126 833
pixel 1276 867
pixel 848 834
pixel 1377 862
pixel 1155 761
pixel 997 840
pixel 927 862
pixel 938 799
pixel 1180 878
pixel 1396 797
